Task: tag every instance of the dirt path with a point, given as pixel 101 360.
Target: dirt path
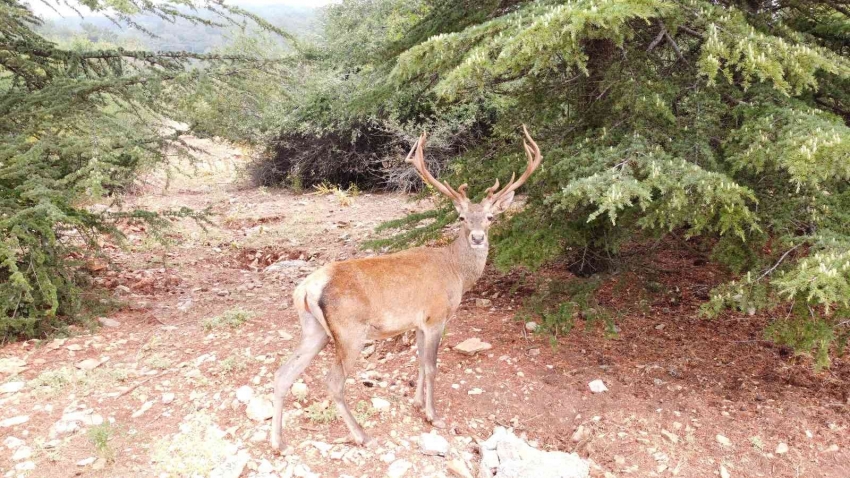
pixel 155 391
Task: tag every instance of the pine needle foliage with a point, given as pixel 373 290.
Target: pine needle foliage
pixel 725 122
pixel 76 124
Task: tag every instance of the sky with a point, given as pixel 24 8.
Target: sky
pixel 45 11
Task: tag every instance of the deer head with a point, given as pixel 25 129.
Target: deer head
pixel 477 218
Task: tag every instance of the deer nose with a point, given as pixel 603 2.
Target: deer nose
pixel 477 237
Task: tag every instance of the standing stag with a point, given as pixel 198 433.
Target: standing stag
pixel 379 297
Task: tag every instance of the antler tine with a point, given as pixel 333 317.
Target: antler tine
pixel 416 157
pixel 492 189
pixel 532 152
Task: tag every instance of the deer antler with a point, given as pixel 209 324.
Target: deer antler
pixel 532 152
pixel 416 157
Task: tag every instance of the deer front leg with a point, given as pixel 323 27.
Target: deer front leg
pixel 432 344
pixel 419 397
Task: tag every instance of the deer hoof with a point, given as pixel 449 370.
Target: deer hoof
pixel 418 403
pixel 365 441
pixel 437 423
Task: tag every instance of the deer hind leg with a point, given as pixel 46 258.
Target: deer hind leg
pixel 313 340
pixel 433 336
pixel 419 397
pixel 348 349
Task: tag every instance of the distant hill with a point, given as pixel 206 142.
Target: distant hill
pixel 180 35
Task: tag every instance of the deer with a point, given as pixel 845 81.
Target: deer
pixel 379 297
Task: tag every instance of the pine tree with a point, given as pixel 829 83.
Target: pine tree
pixel 76 125
pixel 726 121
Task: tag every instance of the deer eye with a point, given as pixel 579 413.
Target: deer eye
pixel 463 218
pixel 489 217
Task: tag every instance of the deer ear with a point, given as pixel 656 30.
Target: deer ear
pixel 503 203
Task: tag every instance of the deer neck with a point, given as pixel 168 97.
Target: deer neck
pixel 468 261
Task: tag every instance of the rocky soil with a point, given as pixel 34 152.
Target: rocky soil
pixel 177 379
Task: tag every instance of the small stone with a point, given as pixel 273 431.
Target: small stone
pixel 86 461
pixel 265 467
pixel 107 322
pixel 141 411
pixel 380 404
pixel 284 335
pixel 472 346
pixel 531 326
pixel 25 466
pixel 831 449
pixel 167 398
pixel 724 473
pixel 22 453
pixel 398 468
pixel 670 436
pixel 483 302
pixel 259 436
pixel 14 421
pixel 89 364
pixel 580 434
pixel 475 391
pixel 458 468
pixel 12 387
pixel 781 448
pixel 597 386
pixel 723 440
pixel 299 390
pixel 259 409
pixel 244 394
pixel 12 443
pixel 74 347
pixel 433 444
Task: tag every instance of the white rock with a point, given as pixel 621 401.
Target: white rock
pixel 25 466
pixel 511 457
pixel 398 468
pixel 90 364
pixel 483 302
pixel 232 466
pixel 12 387
pixel 723 440
pixel 531 326
pixel 167 398
pixel 597 386
pixel 22 453
pixel 12 443
pixel 299 390
pixel 141 411
pixel 458 468
pixel 244 394
pixel 107 322
pixel 265 467
pixel 475 391
pixel 724 473
pixel 14 421
pixel 781 448
pixel 86 461
pixel 259 409
pixel 303 471
pixel 472 346
pixel 380 404
pixel 259 436
pixel 433 444
pixel 85 417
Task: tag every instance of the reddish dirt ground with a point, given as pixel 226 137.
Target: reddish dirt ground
pixel 687 396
